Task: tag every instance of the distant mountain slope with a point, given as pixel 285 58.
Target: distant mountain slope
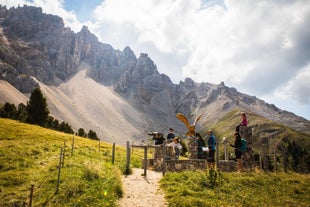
pixel 9 93
pixel 87 104
pixel 119 94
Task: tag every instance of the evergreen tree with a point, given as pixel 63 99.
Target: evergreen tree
pixel 81 132
pixel 65 127
pixel 37 108
pixel 8 111
pixel 22 112
pixel 92 135
pixel 56 124
pixel 50 123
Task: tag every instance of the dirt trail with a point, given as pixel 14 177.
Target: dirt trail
pixel 140 191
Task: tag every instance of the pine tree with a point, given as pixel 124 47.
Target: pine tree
pixel 81 132
pixel 92 135
pixel 22 112
pixel 8 111
pixel 37 108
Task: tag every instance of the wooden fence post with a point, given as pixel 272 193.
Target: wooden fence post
pixel 127 156
pixel 217 156
pixel 275 160
pixel 164 158
pixel 99 147
pixel 63 154
pixel 265 159
pixel 31 195
pixel 145 160
pixel 72 146
pixel 113 153
pixel 260 161
pixel 284 159
pixel 59 167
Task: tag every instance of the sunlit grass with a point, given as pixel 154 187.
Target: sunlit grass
pixel 194 188
pixel 29 155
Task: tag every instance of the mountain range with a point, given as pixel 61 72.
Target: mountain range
pixel 122 97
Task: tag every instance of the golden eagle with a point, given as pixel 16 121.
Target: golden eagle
pixel 191 128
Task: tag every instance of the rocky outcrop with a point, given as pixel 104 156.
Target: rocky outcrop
pixel 39 44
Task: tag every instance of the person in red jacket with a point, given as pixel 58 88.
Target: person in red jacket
pixel 244 121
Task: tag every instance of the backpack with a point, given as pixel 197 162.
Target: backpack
pixel 243 145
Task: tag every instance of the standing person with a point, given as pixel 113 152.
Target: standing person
pixel 158 137
pixel 211 147
pixel 238 152
pixel 170 135
pixel 244 121
pixel 177 147
pixel 201 144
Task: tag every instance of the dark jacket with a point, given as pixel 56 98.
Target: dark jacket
pixel 237 143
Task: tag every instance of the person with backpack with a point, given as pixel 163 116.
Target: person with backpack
pixel 238 149
pixel 211 149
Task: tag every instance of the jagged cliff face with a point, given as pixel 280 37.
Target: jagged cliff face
pixel 37 44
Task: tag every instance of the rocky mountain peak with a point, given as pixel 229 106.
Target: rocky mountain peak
pixel 30 23
pixel 38 45
pixel 87 35
pixel 145 66
pixel 188 83
pixel 128 54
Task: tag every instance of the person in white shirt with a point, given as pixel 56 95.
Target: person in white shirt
pixel 177 147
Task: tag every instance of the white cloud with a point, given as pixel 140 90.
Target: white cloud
pixel 298 87
pixel 161 23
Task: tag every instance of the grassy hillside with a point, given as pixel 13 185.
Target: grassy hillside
pixel 211 188
pixel 29 155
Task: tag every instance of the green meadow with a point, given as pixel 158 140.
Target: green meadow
pixel 30 155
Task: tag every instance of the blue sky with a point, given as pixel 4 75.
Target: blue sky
pixel 82 8
pixel 262 48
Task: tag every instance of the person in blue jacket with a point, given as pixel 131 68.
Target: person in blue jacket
pixel 170 135
pixel 211 149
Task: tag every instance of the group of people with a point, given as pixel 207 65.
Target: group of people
pixel 211 145
pixel 174 141
pixel 206 150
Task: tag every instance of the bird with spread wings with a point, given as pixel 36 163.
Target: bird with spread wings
pixel 191 128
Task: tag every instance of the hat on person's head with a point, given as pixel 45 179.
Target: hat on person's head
pixel 242 112
pixel 210 130
pixel 170 129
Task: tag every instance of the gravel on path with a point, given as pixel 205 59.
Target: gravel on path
pixel 141 191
